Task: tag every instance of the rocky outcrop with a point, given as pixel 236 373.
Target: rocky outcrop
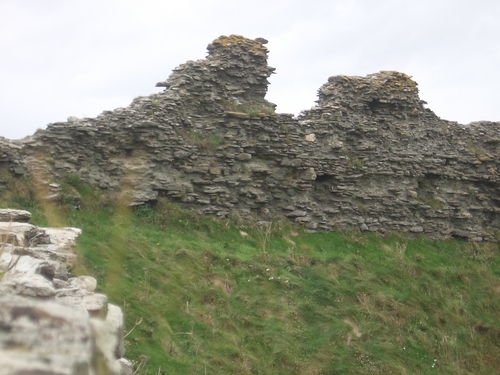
pixel 52 322
pixel 369 156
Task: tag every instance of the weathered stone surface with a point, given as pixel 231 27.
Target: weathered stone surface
pixel 64 237
pixel 84 283
pixel 211 143
pixel 44 337
pixel 106 343
pixel 51 323
pixel 96 304
pixel 244 157
pixel 115 324
pixel 11 158
pixel 29 285
pixel 127 367
pixel 18 234
pixel 44 251
pixel 21 216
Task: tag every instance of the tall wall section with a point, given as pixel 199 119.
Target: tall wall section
pixel 368 156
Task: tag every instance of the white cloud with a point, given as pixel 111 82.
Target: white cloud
pixel 77 58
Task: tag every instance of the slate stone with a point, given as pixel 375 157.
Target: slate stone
pixel 369 145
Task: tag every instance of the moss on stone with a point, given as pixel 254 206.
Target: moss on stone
pixel 252 46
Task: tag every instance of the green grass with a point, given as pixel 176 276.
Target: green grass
pixel 205 143
pixel 279 300
pixel 251 108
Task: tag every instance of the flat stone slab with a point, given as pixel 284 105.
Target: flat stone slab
pixel 20 216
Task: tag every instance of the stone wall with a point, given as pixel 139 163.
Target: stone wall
pixel 50 321
pixel 368 156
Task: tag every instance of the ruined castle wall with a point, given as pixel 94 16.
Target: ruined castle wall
pixel 368 156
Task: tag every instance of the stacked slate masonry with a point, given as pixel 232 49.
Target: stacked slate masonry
pixel 369 156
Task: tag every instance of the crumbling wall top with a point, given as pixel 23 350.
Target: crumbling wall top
pixel 238 45
pixel 384 87
pixel 235 71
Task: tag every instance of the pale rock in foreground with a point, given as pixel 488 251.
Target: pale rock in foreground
pixel 369 156
pixel 51 322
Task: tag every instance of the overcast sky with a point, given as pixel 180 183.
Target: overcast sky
pixel 62 58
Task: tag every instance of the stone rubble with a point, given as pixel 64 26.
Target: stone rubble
pixel 52 322
pixel 369 156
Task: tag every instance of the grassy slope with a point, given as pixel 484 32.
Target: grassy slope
pixel 210 300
